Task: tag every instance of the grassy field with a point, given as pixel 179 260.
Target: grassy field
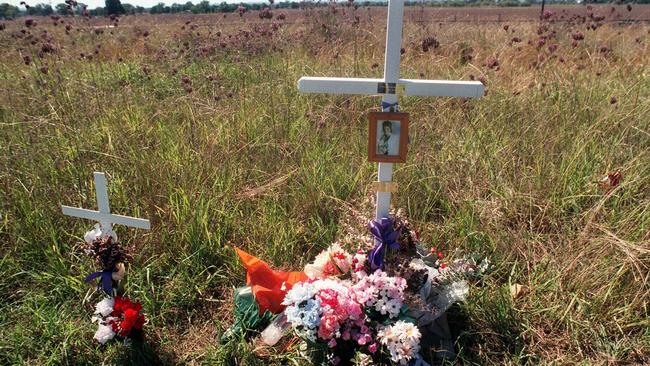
pixel 202 130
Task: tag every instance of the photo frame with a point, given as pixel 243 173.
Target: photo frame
pixel 388 137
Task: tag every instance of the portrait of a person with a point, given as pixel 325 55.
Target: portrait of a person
pixel 387 141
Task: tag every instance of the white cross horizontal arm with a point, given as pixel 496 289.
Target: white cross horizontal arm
pixel 442 88
pixel 104 217
pixel 339 85
pixel 437 88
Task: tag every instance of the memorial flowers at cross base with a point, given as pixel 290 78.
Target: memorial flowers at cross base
pixel 117 316
pixel 360 314
pixel 372 305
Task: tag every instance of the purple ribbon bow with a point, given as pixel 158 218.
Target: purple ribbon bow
pixel 386 237
pixel 386 107
pixel 106 280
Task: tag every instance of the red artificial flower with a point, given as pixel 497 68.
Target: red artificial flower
pixel 128 316
pixel 131 316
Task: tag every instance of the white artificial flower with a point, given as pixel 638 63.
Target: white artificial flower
pixel 394 306
pixel 361 260
pixel 418 264
pixel 91 235
pixel 315 270
pixel 358 269
pixel 402 340
pixel 301 291
pixel 328 283
pixel 293 315
pixel 457 291
pixel 105 307
pixel 339 258
pixel 104 333
pixel 411 332
pixel 97 232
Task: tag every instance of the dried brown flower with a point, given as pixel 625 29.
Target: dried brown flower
pixel 429 42
pixel 106 252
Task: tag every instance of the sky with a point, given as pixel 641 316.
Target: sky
pixel 145 3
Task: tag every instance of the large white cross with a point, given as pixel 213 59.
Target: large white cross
pixel 387 87
pixel 104 215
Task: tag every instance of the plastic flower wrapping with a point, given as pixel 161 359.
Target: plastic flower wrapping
pixel 370 300
pixel 117 317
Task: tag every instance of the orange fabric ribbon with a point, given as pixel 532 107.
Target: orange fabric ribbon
pixel 267 283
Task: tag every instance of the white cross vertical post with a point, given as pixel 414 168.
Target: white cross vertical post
pixel 101 192
pixel 104 216
pixel 391 75
pixel 387 87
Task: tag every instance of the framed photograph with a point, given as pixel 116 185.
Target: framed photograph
pixel 388 137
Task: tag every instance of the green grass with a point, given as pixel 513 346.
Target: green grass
pixel 509 176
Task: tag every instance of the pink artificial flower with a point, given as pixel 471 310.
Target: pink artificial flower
pixel 354 311
pixel 331 343
pixel 393 292
pixel 372 348
pixel 328 326
pixel 341 313
pixel 364 339
pixel 346 335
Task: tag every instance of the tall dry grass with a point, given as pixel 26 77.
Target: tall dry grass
pixel 201 129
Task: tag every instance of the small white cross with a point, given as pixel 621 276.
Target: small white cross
pixel 387 88
pixel 104 215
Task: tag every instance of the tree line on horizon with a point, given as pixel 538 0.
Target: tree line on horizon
pixel 71 7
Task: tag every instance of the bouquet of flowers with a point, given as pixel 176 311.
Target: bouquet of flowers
pixel 373 305
pixel 116 316
pixel 350 316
